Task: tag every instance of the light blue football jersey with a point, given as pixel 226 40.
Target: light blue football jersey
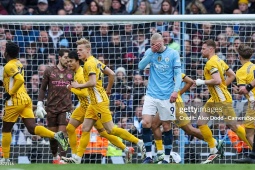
pixel 161 80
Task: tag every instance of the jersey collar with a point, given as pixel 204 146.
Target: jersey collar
pixel 80 68
pixel 248 63
pixel 163 51
pixel 89 58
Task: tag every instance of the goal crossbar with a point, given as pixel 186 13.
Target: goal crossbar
pixel 123 18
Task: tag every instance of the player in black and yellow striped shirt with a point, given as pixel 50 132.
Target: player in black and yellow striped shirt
pixel 19 104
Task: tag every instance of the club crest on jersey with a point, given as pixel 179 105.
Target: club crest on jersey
pixel 70 76
pixel 61 76
pixel 159 58
pixel 167 59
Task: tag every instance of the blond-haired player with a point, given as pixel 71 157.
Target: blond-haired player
pixel 220 101
pixel 78 114
pixel 18 103
pixel 99 103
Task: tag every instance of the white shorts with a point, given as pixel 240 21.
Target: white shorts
pixel 165 109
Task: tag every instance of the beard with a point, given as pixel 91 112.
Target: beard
pixel 63 65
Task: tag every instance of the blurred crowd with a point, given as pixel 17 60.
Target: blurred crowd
pixel 121 46
pixel 124 7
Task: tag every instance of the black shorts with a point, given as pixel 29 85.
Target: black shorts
pixel 58 119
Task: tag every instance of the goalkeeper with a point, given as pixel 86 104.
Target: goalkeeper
pixel 59 103
pixel 79 113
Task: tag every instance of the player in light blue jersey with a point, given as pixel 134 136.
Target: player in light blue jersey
pixel 162 92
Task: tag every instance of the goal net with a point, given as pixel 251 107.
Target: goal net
pixel 120 43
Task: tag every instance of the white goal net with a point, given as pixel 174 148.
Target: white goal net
pixel 120 42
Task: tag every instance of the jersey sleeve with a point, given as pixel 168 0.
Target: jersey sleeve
pixel 177 60
pixel 46 75
pixel 80 92
pixel 183 76
pixel 91 68
pixel 148 52
pixel 103 66
pixel 146 59
pixel 251 75
pixel 80 78
pixel 211 67
pixel 11 70
pixel 44 84
pixel 226 67
pixel 240 77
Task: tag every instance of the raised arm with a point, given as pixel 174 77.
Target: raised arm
pixel 146 59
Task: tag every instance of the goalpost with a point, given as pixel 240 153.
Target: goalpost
pixel 120 42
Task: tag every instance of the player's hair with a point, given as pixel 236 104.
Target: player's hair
pixel 210 43
pixel 62 52
pixel 73 55
pixel 12 49
pixel 156 36
pixel 245 51
pixel 84 41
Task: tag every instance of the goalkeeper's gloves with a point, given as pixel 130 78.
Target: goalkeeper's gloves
pixel 40 112
pixel 7 96
pixel 199 82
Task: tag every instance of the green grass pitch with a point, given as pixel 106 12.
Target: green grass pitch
pixel 129 167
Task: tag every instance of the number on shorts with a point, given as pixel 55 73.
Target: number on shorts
pixel 68 116
pixel 99 115
pixel 172 110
